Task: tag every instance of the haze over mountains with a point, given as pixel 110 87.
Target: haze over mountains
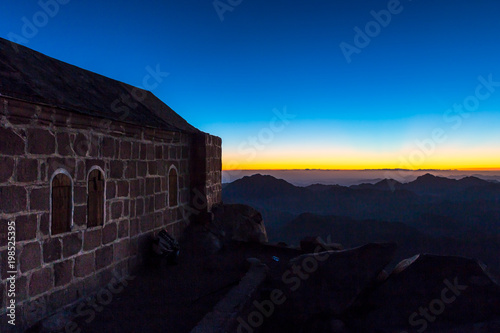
pixel 355 177
pixel 428 215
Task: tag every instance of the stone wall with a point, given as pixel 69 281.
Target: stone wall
pixel 213 186
pixel 56 270
pixel 206 170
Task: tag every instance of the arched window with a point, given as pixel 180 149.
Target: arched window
pixel 61 202
pixel 95 199
pixel 173 187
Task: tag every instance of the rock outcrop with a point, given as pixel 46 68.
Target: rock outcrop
pixel 202 239
pixel 329 282
pixel 312 244
pixel 329 289
pixel 240 223
pixel 208 232
pixel 432 292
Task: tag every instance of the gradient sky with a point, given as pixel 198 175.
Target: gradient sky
pixel 391 106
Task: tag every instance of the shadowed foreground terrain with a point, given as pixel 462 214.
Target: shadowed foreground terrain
pixel 174 298
pixel 229 279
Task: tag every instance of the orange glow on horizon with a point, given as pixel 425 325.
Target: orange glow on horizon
pixel 283 169
pixel 352 169
pixel 479 169
pixel 451 158
pixel 365 165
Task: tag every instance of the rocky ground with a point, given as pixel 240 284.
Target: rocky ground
pixel 175 298
pixel 318 288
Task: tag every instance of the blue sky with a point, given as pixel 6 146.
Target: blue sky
pixel 227 76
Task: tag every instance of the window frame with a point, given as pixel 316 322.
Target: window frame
pixel 71 222
pixel 93 168
pixel 177 180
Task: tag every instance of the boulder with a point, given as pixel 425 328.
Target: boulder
pixel 430 292
pixel 338 326
pixel 487 327
pixel 56 322
pixel 201 239
pixel 209 231
pixel 329 282
pixel 240 223
pixel 324 325
pixel 312 244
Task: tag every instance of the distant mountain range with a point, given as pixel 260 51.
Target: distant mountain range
pixel 355 177
pixel 429 184
pixel 430 214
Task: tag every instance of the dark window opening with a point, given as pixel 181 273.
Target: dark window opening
pixel 62 204
pixel 172 188
pixel 95 200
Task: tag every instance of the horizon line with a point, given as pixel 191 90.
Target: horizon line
pixel 383 169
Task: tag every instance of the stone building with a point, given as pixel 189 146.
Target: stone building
pixel 90 170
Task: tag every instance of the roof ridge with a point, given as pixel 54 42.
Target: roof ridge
pixel 37 78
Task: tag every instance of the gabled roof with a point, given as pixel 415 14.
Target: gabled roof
pixel 34 77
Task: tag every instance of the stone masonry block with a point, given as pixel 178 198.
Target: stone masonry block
pixel 12 142
pixel 109 233
pixel 84 264
pixel 63 272
pixel 41 281
pixel 103 257
pixel 92 239
pixel 52 249
pixel 30 256
pixel 41 141
pixel 72 244
pixel 12 199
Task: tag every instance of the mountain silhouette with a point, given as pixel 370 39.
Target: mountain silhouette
pixel 259 186
pixel 434 185
pixel 383 185
pixel 431 214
